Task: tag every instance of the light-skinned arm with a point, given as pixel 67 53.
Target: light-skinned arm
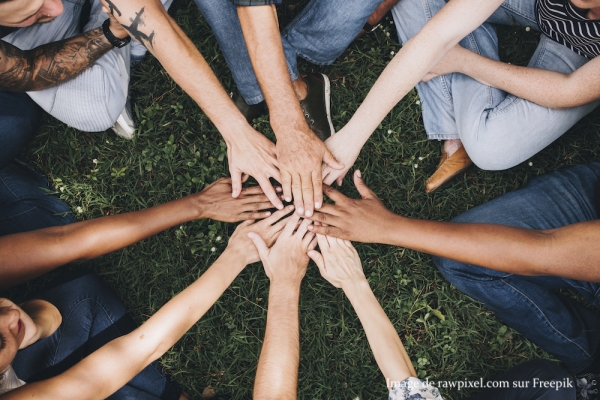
pixel 569 252
pixel 24 256
pixel 300 153
pixel 285 264
pixel 113 365
pixel 417 57
pixel 340 265
pixel 248 151
pixel 547 88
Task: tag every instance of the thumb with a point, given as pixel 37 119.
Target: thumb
pixel 330 160
pixel 362 188
pixel 317 258
pixel 260 244
pixel 236 183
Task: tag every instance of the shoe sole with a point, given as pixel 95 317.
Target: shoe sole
pixel 328 102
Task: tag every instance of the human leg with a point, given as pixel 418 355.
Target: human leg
pixel 531 380
pixel 92 316
pixel 530 305
pixel 25 204
pixel 19 119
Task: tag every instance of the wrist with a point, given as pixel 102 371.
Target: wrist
pixel 355 289
pixel 116 41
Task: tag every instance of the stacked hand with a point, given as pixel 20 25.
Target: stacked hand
pixel 338 261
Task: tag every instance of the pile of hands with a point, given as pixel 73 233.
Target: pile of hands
pixel 285 241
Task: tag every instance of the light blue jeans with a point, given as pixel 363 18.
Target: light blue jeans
pixel 498 130
pixel 319 34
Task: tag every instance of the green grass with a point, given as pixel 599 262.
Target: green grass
pixel 177 151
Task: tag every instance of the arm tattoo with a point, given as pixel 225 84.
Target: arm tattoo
pixel 135 33
pixel 50 64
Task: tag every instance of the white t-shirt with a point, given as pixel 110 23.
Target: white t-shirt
pixel 9 380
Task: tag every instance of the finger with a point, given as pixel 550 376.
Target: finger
pixel 297 193
pixel 328 231
pixel 252 191
pixel 340 180
pixel 330 160
pixel 236 183
pixel 303 228
pixel 277 215
pixel 245 223
pixel 286 183
pixel 318 259
pixel 333 194
pixel 265 184
pixel 307 239
pixel 260 244
pixel 313 243
pixel 362 188
pixel 322 219
pixel 317 189
pixel 245 177
pixel 291 224
pixel 274 173
pixel 307 194
pixel 254 215
pixel 323 243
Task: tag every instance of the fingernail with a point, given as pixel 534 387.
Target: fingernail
pixel 317 205
pixel 288 199
pixel 358 173
pixel 278 189
pixel 300 211
pixel 279 206
pixel 268 213
pixel 308 213
pixel 290 207
pixel 310 227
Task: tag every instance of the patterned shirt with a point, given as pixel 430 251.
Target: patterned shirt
pixel 254 2
pixel 414 389
pixel 565 24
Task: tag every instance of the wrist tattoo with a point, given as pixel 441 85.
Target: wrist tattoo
pixel 50 64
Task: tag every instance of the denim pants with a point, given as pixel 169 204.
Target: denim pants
pixel 19 120
pixel 92 316
pixel 524 386
pixel 498 130
pixel 530 304
pixel 319 34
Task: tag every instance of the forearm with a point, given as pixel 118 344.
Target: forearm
pixel 261 32
pixel 568 252
pixel 277 371
pixel 390 355
pixel 52 63
pixel 113 365
pixel 546 88
pixel 30 254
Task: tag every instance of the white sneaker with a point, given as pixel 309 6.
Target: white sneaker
pixel 124 126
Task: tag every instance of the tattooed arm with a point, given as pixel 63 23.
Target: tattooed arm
pixel 52 63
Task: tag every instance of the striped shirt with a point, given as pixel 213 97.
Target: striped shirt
pixel 565 24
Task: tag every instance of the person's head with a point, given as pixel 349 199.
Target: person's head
pixel 16 328
pixel 22 13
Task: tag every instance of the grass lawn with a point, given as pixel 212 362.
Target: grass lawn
pixel 177 151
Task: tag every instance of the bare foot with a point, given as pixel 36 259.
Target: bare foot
pixel 450 146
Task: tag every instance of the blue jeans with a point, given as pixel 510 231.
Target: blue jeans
pixel 530 304
pixel 92 316
pixel 498 130
pixel 19 120
pixel 319 34
pixel 517 376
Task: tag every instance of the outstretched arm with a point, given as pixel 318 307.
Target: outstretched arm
pixel 569 252
pixel 53 63
pixel 113 365
pixel 417 57
pixel 300 153
pixel 31 254
pixel 285 264
pixel 339 263
pixel 546 88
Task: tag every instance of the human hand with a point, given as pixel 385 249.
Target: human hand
pixel 344 152
pixel 364 220
pixel 115 27
pixel 451 62
pixel 267 229
pixel 338 261
pixel 215 202
pixel 286 261
pixel 251 153
pixel 300 155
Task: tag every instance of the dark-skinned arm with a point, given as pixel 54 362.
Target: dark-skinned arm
pixel 53 63
pixel 24 256
pixel 569 252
